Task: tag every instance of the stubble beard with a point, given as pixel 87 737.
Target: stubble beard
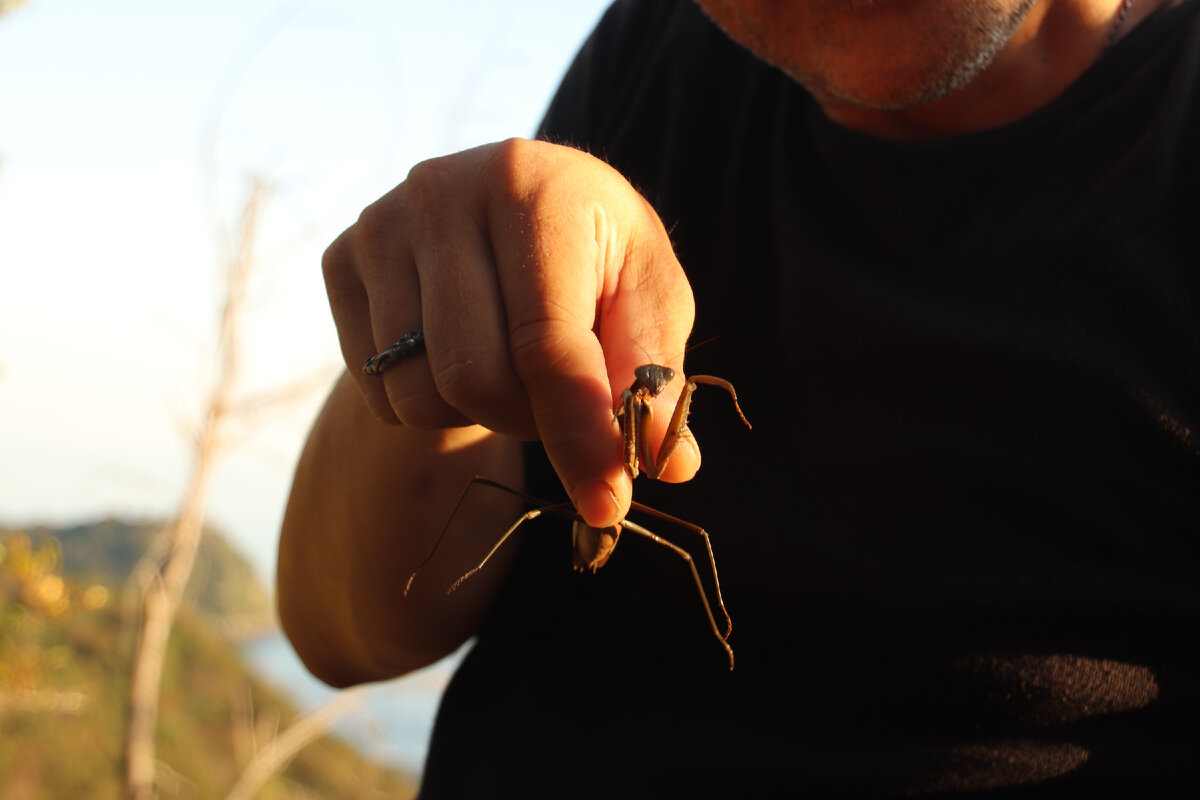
pixel 975 35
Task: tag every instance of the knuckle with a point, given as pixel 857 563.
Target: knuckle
pixel 377 401
pixel 372 218
pixel 335 254
pixel 335 261
pixel 368 242
pixel 530 174
pixel 433 202
pixel 424 410
pixel 537 348
pixel 466 379
pixel 513 176
pixel 376 222
pixel 508 160
pixel 426 181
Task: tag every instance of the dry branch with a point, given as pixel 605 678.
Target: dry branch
pixel 161 582
pixel 282 748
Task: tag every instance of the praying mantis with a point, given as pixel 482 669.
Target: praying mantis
pixel 593 546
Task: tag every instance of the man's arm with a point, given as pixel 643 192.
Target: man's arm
pixel 541 279
pixel 367 502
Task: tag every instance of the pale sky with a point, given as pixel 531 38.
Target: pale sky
pixel 108 281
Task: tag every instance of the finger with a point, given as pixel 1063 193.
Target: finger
pixel 646 319
pixel 549 270
pixel 562 367
pixel 589 280
pixel 685 463
pixel 383 259
pixel 466 329
pixel 351 314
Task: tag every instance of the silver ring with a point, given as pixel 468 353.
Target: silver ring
pixel 408 345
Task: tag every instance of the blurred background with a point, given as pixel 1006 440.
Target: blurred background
pixel 170 173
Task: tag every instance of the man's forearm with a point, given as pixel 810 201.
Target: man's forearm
pixel 367 502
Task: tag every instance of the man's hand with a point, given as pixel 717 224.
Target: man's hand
pixel 541 279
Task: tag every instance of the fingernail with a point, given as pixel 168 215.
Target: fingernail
pixel 597 503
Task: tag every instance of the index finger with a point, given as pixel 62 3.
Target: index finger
pixel 583 300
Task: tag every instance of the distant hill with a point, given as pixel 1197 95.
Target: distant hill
pixel 215 714
pixel 223 586
pixel 64 684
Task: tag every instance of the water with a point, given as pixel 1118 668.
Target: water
pixel 392 724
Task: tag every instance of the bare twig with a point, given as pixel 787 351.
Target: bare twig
pixel 282 748
pixel 162 582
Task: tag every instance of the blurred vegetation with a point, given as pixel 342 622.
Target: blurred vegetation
pixel 223 586
pixel 64 684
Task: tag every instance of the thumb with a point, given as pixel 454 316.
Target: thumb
pixel 645 321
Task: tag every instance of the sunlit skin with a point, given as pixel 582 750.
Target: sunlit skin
pixel 542 279
pixel 926 68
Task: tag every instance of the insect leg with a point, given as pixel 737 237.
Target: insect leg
pixel 678 421
pixel 727 386
pixel 478 479
pixel 528 515
pixel 686 556
pixel 712 561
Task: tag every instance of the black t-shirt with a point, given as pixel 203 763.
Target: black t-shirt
pixel 960 545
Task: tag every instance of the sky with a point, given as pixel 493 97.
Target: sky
pixel 129 130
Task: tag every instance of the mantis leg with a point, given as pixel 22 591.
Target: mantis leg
pixel 686 556
pixel 678 423
pixel 477 480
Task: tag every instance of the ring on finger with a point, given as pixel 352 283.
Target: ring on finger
pixel 410 344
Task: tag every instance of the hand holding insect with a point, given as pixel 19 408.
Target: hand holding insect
pixel 593 545
pixel 531 268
